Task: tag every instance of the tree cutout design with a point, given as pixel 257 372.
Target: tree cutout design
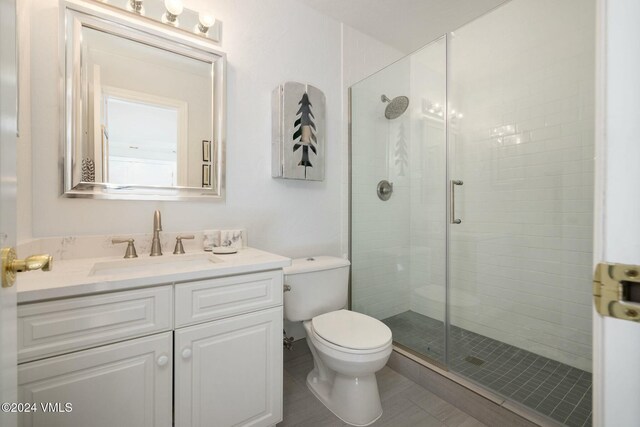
pixel 305 133
pixel 401 154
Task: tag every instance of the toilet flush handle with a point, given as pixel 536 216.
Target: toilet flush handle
pixel 286 288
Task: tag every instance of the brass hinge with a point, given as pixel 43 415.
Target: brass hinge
pixel 616 291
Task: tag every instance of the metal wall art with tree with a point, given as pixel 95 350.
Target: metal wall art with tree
pixel 298 132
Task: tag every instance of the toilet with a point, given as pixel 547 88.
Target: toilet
pixel 348 348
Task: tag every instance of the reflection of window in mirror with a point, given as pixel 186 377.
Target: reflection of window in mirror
pixel 148 110
pixel 144 139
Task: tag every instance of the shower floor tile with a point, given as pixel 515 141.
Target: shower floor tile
pixel 554 389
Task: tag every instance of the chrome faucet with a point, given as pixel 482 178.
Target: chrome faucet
pixel 156 247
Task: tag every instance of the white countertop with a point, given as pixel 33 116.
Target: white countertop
pixel 75 277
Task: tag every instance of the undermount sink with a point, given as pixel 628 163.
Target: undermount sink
pixel 132 266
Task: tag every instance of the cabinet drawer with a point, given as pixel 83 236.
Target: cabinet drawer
pixel 49 328
pixel 197 302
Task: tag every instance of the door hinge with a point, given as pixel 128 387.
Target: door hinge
pixel 616 291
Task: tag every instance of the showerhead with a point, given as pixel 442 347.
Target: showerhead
pixel 396 107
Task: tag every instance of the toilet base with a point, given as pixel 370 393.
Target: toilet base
pixel 355 401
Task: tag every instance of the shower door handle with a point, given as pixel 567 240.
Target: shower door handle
pixel 452 201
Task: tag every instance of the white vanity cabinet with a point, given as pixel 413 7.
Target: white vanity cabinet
pixel 200 353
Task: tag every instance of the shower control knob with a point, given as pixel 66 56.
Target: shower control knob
pixel 384 190
pixel 186 353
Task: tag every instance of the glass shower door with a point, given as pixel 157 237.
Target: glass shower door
pixel 520 261
pixel 398 199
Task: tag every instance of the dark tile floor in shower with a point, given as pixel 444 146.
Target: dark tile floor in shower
pixel 554 389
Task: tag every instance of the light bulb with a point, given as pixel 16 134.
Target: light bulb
pixel 135 6
pixel 174 7
pixel 206 20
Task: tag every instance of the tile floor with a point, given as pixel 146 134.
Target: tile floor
pixel 404 402
pixel 554 389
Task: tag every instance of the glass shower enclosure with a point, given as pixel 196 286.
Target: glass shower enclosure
pixel 472 165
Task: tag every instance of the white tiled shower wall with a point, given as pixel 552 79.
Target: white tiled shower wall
pixel 521 261
pixel 380 233
pixel 428 181
pixel 398 249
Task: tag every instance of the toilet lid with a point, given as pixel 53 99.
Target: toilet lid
pixel 353 330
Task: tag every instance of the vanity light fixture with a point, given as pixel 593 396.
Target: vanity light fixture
pixel 205 21
pixel 174 9
pixel 135 6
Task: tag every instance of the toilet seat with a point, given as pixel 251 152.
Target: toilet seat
pixel 353 332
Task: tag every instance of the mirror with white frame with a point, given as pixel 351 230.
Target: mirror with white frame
pixel 144 108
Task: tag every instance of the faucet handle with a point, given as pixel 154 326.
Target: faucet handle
pixel 131 249
pixel 179 249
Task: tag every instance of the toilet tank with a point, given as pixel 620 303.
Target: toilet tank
pixel 317 285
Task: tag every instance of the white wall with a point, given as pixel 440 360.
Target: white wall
pixel 524 78
pixel 267 42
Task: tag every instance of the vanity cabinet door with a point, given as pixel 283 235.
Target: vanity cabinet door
pixel 229 372
pixel 125 385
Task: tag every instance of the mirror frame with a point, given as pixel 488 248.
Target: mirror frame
pixel 76 14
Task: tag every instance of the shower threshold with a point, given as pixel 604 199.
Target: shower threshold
pixel 556 390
